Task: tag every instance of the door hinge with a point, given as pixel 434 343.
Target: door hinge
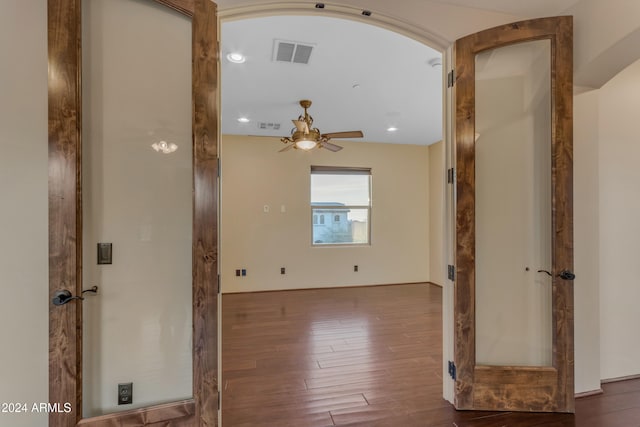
pixel 219 167
pixel 218 283
pixel 452 370
pixel 451 78
pixel 451 176
pixel 219 400
pixel 451 272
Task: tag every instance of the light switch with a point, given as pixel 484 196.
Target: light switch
pixel 105 253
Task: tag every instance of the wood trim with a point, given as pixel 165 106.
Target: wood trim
pixel 65 206
pixel 511 388
pixel 186 7
pixel 560 31
pixel 562 182
pixel 65 221
pixel 205 212
pixel 464 290
pixel 176 414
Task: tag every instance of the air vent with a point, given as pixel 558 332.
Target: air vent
pixel 268 126
pixel 294 52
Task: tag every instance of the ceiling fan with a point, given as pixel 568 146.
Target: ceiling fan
pixel 306 137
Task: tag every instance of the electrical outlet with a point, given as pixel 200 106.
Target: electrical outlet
pixel 125 393
pixel 238 273
pixel 244 272
pixel 355 268
pixel 282 270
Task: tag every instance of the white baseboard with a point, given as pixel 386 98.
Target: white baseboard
pixel 589 393
pixel 615 380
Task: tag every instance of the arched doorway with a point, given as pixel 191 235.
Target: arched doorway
pixel 231 282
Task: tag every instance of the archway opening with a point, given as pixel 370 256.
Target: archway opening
pixel 359 76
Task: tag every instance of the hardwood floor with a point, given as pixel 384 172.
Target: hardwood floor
pixel 367 356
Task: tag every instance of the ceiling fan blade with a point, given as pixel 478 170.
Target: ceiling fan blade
pixel 331 147
pixel 288 147
pixel 301 125
pixel 350 134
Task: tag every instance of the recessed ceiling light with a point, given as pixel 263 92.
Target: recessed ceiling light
pixel 243 119
pixel 392 129
pixel 236 58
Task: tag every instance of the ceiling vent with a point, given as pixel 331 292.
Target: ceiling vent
pixel 294 52
pixel 268 126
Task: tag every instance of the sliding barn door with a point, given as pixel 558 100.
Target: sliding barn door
pixel 514 227
pixel 133 139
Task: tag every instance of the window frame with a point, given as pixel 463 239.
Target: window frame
pixel 341 170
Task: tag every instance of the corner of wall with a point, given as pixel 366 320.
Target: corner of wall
pixel 586 242
pixel 437 188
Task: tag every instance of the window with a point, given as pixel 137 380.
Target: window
pixel 344 195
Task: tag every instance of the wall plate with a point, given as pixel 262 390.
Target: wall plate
pixel 125 393
pixel 105 253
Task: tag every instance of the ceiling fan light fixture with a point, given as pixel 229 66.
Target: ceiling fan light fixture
pixel 306 144
pixel 306 137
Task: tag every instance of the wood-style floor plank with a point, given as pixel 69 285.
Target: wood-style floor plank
pixel 363 357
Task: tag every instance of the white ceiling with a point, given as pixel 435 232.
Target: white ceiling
pixel 397 85
pixel 527 8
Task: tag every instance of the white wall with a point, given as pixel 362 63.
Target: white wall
pixel 254 174
pixel 586 242
pixel 136 92
pixel 619 191
pixel 437 183
pixel 24 305
pixel 606 39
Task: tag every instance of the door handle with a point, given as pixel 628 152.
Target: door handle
pixel 566 275
pixel 64 296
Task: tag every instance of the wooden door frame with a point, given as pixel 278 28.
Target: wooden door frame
pixel 65 220
pixel 494 387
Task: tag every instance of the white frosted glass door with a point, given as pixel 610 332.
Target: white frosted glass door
pixel 137 196
pixel 513 205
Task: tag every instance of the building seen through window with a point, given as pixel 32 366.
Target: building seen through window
pixel 340 205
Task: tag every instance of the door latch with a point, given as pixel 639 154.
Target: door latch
pixel 564 274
